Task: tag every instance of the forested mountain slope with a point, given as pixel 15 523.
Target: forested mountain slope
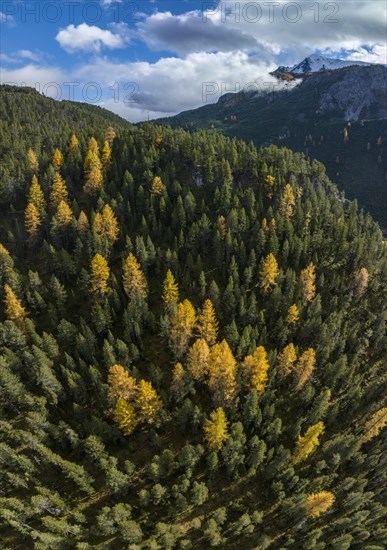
pixel 192 347
pixel 29 119
pixel 338 117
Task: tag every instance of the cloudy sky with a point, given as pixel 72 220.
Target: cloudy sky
pixel 152 58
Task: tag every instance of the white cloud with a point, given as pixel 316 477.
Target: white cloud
pixel 7 19
pixel 88 38
pixel 375 54
pixel 293 29
pixel 173 84
pixel 48 80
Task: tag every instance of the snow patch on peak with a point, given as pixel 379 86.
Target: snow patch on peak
pixel 316 63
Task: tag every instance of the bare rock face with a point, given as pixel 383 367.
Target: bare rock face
pixel 360 93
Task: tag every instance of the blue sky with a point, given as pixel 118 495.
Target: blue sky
pixel 156 58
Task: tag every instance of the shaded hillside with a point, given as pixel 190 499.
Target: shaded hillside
pixel 313 117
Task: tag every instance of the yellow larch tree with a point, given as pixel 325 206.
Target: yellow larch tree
pixel 255 369
pixel 106 155
pixel 207 324
pixel 148 401
pixel 222 226
pixel 94 181
pixel 293 314
pixel 64 214
pixel 74 143
pixel 269 273
pixel 93 169
pixel 178 385
pixel 222 374
pixel 106 225
pixel 216 429
pixel 32 220
pixel 270 181
pixel 318 503
pixel 197 361
pixel 265 226
pixel 375 424
pixel 361 283
pixel 57 159
pixel 110 134
pixel 99 276
pixel 58 190
pixel 157 187
pixel 170 290
pixel 82 224
pixel 121 385
pixel 33 160
pixel 304 368
pixel 287 359
pixel 308 280
pixel 13 307
pixel 133 279
pixel 6 262
pixel 125 416
pixel 36 195
pixel 287 203
pixel 183 321
pixel 308 442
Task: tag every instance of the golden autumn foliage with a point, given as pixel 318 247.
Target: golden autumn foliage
pixel 82 224
pixel 375 424
pixel 183 321
pixel 33 160
pixel 287 359
pixel 6 262
pixel 170 290
pixel 64 214
pixel 178 382
pixel 308 279
pixel 318 503
pixel 121 385
pixel 106 155
pixel 304 368
pixel 133 279
pixel 149 403
pixel 293 314
pixel 57 159
pixel 255 369
pixel 110 134
pixel 94 181
pixel 361 283
pixel 287 203
pixel 307 443
pixel 222 226
pixel 198 359
pixel 216 429
pixel 157 187
pixel 207 324
pixel 269 273
pixel 125 416
pixel 35 194
pixel 93 169
pixel 106 224
pixel 59 191
pixel 13 307
pixel 74 143
pixel 32 220
pixel 99 276
pixel 222 374
pixel 269 181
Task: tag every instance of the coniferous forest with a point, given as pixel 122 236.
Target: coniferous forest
pixel 192 341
